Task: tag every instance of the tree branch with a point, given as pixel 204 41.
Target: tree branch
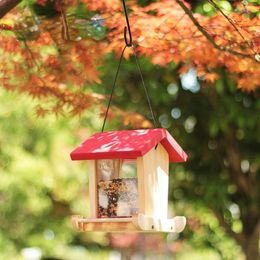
pixel 7 5
pixel 250 45
pixel 237 236
pixel 235 172
pixel 209 37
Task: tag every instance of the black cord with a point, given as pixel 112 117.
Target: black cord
pixel 144 86
pixel 143 83
pixel 128 44
pixel 113 88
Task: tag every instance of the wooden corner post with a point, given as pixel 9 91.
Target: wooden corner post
pixel 153 181
pixel 93 189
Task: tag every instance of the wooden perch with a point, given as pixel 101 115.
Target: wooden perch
pixel 140 223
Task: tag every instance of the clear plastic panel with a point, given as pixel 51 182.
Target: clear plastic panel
pixel 117 188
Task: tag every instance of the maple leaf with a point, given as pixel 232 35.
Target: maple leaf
pixel 211 77
pixel 48 65
pixel 41 112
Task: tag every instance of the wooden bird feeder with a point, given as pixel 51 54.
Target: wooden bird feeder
pixel 128 181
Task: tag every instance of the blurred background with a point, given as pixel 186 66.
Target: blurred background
pixel 218 126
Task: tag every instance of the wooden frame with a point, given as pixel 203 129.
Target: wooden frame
pixel 153 178
pixel 141 223
pixel 93 201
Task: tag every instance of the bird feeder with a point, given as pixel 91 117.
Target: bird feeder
pixel 128 181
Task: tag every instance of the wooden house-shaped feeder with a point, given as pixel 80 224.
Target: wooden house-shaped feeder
pixel 128 181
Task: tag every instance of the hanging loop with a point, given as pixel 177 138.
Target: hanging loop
pixel 128 42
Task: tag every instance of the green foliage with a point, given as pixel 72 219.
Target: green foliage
pixel 39 187
pixel 206 8
pixel 48 9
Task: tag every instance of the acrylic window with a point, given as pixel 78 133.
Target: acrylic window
pixel 117 188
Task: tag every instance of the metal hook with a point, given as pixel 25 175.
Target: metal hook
pixel 127 28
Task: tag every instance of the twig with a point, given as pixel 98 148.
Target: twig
pixel 208 36
pixel 233 25
pixel 65 26
pixel 7 5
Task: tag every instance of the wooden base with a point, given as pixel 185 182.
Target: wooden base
pixel 141 223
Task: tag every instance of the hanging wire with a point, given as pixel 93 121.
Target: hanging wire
pixel 144 86
pixel 128 43
pixel 113 88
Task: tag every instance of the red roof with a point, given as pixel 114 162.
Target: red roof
pixel 128 144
